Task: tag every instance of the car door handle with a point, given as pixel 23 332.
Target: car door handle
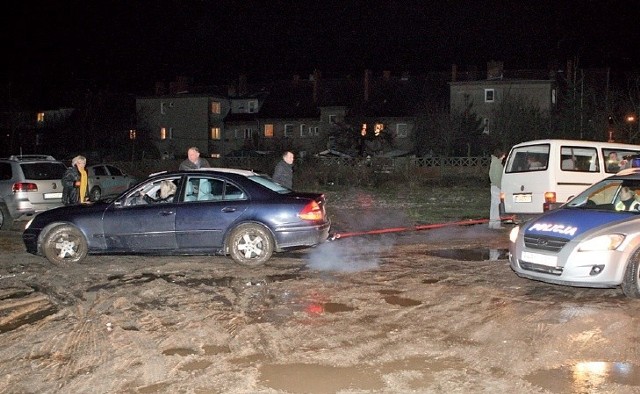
pixel 228 209
pixel 166 213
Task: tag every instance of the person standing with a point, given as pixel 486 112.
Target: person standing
pixel 283 173
pixel 495 176
pixel 75 182
pixel 193 160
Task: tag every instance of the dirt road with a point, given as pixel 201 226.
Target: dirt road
pixel 436 311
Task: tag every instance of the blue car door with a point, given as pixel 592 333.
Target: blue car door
pixel 140 228
pixel 202 219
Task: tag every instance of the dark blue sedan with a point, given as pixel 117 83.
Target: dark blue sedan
pixel 213 211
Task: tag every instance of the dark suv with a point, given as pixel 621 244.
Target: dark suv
pixel 28 184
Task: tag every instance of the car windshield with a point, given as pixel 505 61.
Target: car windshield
pixel 610 195
pixel 269 183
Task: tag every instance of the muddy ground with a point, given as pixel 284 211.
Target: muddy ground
pixel 436 311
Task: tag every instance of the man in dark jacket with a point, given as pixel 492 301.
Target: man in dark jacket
pixel 193 160
pixel 283 174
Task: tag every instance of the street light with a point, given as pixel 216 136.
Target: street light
pixel 630 119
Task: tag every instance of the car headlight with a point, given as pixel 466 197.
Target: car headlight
pixel 513 234
pixel 603 242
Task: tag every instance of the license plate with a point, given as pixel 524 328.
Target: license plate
pixel 542 259
pixel 51 196
pixel 522 198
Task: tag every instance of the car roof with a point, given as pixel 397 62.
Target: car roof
pixel 236 171
pixel 629 173
pixel 21 158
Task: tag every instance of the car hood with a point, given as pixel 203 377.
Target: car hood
pixel 569 223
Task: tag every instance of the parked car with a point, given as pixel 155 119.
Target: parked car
pixel 591 241
pixel 28 184
pixel 213 211
pixel 107 181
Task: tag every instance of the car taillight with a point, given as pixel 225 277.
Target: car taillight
pixel 24 187
pixel 550 197
pixel 311 211
pixel 502 197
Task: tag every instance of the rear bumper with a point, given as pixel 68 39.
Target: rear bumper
pixel 302 236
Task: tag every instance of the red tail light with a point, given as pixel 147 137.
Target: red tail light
pixel 24 187
pixel 311 211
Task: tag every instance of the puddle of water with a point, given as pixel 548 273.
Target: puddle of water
pixel 212 350
pixel 585 377
pixel 197 365
pixel 310 378
pixel 179 352
pixel 401 301
pixel 471 254
pixel 334 307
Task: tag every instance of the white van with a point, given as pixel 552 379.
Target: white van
pixel 542 175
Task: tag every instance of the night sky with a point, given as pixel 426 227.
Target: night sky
pixel 131 44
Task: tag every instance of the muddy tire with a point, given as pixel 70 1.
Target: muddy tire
pixel 631 280
pixel 6 221
pixel 64 245
pixel 95 194
pixel 250 245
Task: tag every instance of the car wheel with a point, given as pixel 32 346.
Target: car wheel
pixel 250 245
pixel 6 221
pixel 95 194
pixel 64 245
pixel 631 280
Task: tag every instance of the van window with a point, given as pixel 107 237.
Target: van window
pixel 575 158
pixel 617 159
pixel 528 158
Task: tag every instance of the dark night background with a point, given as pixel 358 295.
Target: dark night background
pixel 128 45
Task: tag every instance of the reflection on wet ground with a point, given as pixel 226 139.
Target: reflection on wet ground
pixel 585 377
pixel 471 254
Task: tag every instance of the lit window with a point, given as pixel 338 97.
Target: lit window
pixel 215 107
pixel 40 117
pixel 489 95
pixel 163 133
pixel 363 131
pixel 402 130
pixel 215 155
pixel 378 129
pixel 288 130
pixel 215 133
pixel 268 130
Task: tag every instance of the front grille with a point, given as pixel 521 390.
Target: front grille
pixel 540 268
pixel 551 244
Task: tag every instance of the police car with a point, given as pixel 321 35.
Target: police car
pixel 591 241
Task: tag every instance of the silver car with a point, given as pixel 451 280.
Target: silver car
pixel 591 241
pixel 107 181
pixel 28 184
